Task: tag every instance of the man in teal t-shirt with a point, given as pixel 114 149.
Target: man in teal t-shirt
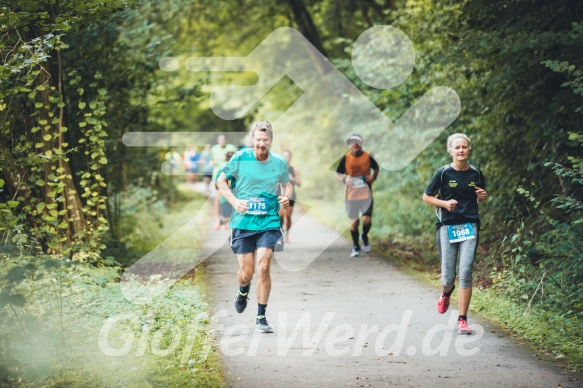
pixel 255 221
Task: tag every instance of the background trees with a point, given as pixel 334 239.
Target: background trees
pixel 75 76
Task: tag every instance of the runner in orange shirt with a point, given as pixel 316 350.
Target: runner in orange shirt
pixel 354 169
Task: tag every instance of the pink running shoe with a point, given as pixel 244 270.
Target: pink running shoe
pixel 224 227
pixel 463 328
pixel 443 302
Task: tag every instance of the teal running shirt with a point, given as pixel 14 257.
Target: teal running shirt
pixel 256 183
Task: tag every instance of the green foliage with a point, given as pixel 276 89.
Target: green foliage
pixel 543 245
pixel 76 76
pixel 53 329
pixel 517 101
pixel 53 321
pixel 542 327
pixel 146 219
pixel 37 143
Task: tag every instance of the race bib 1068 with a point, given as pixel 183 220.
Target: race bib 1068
pixel 461 232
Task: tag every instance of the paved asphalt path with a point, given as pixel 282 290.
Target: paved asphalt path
pixel 342 322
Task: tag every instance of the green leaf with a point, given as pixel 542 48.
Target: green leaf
pixel 40 206
pixel 40 182
pixel 12 204
pixel 102 91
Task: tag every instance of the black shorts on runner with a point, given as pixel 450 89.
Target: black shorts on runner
pixel 246 241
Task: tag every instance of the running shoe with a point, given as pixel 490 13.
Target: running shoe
pixel 224 227
pixel 365 245
pixel 443 302
pixel 355 252
pixel 218 226
pixel 241 302
pixel 463 328
pixel 262 325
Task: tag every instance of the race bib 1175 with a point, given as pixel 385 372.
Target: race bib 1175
pixel 258 206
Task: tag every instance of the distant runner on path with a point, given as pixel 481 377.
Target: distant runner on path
pixel 354 171
pixel 218 152
pixel 285 214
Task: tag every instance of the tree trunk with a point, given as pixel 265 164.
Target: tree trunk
pixel 306 24
pixel 338 17
pixel 74 215
pixel 52 135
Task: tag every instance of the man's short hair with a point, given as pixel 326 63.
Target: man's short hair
pixel 263 126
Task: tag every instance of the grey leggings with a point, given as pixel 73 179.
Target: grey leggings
pixel 448 255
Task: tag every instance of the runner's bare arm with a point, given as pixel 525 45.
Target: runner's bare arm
pixel 481 193
pixel 287 191
pixel 375 174
pixel 432 200
pixel 223 185
pixel 297 180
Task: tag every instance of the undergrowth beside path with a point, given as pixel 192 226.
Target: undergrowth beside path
pixel 67 324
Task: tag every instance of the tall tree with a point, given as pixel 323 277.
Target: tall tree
pixel 303 19
pixel 35 127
